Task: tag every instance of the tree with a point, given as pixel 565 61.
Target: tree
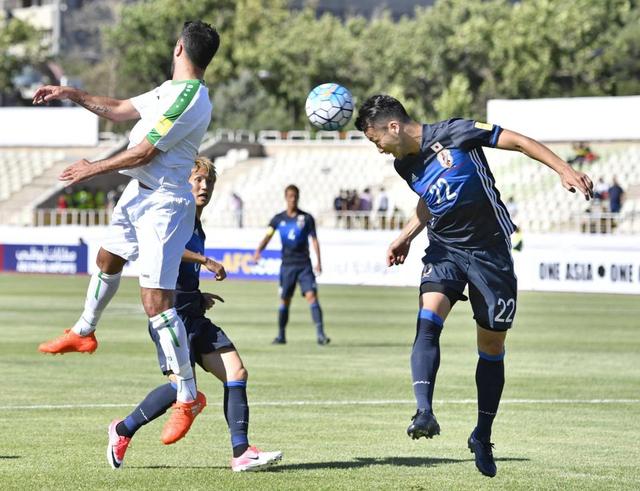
pixel 20 45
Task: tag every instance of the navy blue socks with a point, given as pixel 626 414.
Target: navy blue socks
pixel 489 381
pixel 316 315
pixel 283 318
pixel 425 357
pixel 236 412
pixel 154 405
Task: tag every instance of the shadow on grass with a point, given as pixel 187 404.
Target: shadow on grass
pixel 359 462
pixel 369 461
pixel 10 457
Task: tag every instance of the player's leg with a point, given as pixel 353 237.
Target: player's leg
pixel 286 289
pixel 493 294
pixel 443 283
pixel 309 289
pixel 121 431
pixel 154 405
pixel 119 246
pixel 217 355
pixel 163 229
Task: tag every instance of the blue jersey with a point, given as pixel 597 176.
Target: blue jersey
pixel 188 296
pixel 294 235
pixel 451 175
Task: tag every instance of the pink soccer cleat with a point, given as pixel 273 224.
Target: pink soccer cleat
pixel 117 446
pixel 254 459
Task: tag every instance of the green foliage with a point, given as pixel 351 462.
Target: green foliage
pixel 20 44
pixel 447 60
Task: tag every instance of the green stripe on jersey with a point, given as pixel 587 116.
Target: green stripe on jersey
pixel 183 100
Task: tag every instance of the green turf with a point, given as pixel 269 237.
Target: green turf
pixel 564 346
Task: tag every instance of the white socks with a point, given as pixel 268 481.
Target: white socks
pixel 175 346
pixel 102 288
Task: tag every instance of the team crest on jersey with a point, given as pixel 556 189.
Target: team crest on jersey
pixel 300 221
pixel 445 158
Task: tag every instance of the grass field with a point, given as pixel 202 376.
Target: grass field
pixel 570 417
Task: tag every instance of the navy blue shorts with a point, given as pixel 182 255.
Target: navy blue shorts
pixel 203 335
pixel 292 274
pixel 493 287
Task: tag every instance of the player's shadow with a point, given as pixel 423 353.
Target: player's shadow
pixel 359 462
pixel 10 457
pixel 369 461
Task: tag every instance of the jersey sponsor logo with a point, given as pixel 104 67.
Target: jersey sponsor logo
pixel 445 158
pixel 414 178
pixel 483 126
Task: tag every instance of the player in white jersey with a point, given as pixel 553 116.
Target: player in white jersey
pixel 154 217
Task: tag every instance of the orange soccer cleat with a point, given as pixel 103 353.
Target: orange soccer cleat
pixel 182 418
pixel 70 342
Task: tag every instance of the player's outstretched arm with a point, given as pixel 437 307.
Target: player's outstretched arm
pixel 106 107
pixel 399 249
pixel 83 170
pixel 571 178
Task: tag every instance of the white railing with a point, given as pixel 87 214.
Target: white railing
pixel 594 223
pixel 606 222
pixel 44 217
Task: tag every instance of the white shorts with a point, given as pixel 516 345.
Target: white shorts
pixel 152 227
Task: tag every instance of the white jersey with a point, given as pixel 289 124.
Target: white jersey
pixel 173 117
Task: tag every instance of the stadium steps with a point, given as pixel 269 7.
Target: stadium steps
pixel 17 208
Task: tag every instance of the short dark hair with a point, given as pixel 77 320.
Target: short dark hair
pixel 378 109
pixel 201 42
pixel 292 187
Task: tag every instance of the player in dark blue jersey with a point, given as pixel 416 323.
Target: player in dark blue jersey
pixel 295 227
pixel 209 347
pixel 469 232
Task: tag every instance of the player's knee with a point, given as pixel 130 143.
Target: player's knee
pixel 109 263
pixel 493 347
pixel 156 302
pixel 240 373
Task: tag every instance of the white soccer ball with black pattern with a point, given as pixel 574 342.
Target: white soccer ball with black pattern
pixel 329 106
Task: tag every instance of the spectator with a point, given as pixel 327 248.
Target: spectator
pixel 616 194
pixel 512 207
pixel 600 190
pixel 338 204
pixel 61 203
pixel 582 154
pixel 237 207
pixel 366 200
pixel 366 204
pixel 99 199
pixel 382 207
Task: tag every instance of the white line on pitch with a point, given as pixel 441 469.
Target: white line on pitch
pixel 375 402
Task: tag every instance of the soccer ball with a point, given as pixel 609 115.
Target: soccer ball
pixel 329 106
